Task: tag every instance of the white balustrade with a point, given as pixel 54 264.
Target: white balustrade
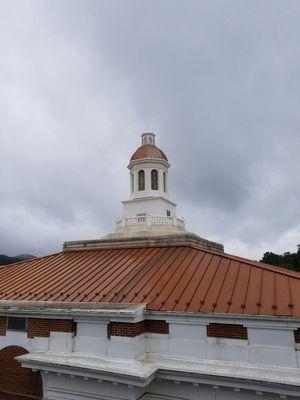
pixel 150 220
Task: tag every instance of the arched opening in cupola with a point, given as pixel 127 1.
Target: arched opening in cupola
pixel 154 179
pixel 141 179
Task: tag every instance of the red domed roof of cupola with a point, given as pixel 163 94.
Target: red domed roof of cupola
pixel 148 151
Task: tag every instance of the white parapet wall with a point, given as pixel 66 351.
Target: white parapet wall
pixel 181 363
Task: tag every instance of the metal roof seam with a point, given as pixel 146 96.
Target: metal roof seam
pixel 70 268
pixel 172 276
pixel 259 264
pixel 260 292
pixel 209 285
pixel 101 266
pixel 199 283
pixel 184 273
pixel 153 265
pixel 72 263
pixel 24 278
pixel 169 253
pixel 23 272
pixel 291 303
pixel 246 291
pixel 37 259
pixel 137 271
pixel 154 291
pixel 111 264
pixel 217 298
pixel 170 290
pixel 76 271
pixel 233 288
pixel 134 265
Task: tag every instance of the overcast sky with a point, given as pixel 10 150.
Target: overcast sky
pixel 217 81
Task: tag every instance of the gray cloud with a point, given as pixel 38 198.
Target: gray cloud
pixel 217 81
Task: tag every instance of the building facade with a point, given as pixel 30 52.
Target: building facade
pixel 150 311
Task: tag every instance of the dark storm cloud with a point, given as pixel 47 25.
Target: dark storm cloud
pixel 217 81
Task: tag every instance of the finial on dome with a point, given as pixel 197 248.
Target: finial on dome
pixel 148 138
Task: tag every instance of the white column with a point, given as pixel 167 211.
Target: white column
pixel 147 178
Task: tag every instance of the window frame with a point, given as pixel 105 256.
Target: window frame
pixel 9 318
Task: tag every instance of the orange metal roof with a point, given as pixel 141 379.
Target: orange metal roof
pixel 148 151
pixel 166 278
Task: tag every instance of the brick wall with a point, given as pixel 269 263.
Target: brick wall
pixel 3 324
pixel 126 329
pixel 229 331
pixel 42 327
pixel 297 335
pixel 137 328
pixel 156 326
pixel 15 396
pixel 17 382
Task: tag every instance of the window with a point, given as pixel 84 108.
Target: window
pixel 168 213
pixel 165 181
pixel 154 179
pixel 132 182
pixel 16 324
pixel 141 180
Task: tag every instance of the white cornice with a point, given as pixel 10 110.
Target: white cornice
pixel 141 372
pixel 148 198
pixel 148 161
pixel 79 311
pixel 263 321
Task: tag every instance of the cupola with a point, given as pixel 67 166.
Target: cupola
pixel 149 208
pixel 148 170
pixel 148 149
pixel 148 138
pixel 149 216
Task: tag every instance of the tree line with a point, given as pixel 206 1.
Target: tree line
pixel 286 260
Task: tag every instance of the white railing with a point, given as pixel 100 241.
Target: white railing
pixel 150 220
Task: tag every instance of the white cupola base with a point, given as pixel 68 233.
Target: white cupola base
pixel 155 215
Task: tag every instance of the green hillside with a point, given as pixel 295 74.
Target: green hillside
pixel 5 260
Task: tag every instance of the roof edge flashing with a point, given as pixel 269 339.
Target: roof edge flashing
pixel 46 308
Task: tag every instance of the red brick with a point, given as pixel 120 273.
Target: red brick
pixel 15 396
pixel 42 327
pixel 17 382
pixel 157 326
pixel 3 325
pixel 134 329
